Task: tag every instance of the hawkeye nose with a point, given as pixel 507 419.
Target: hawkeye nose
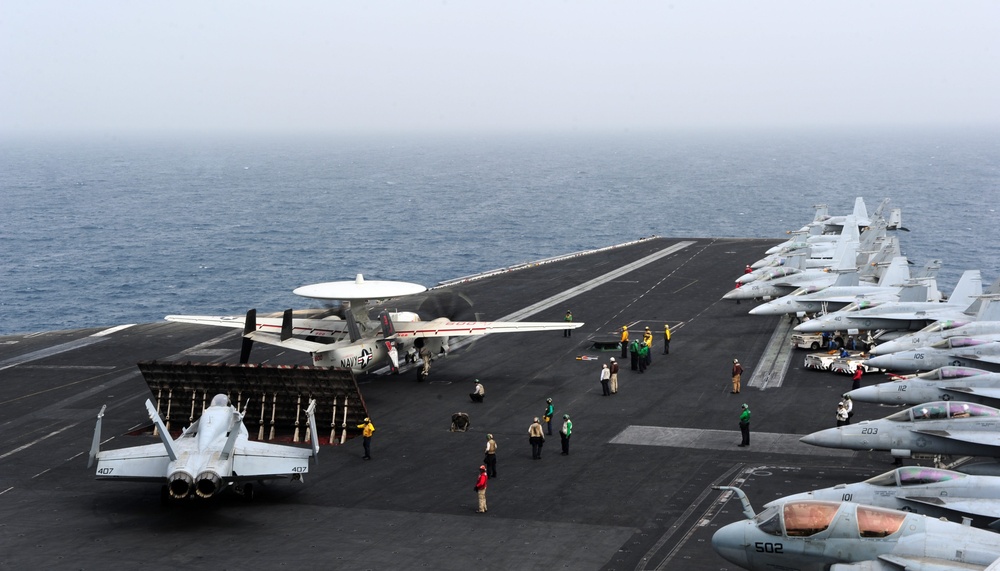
pixel 730 543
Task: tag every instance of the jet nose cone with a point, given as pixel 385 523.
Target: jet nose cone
pixel 829 438
pixel 731 294
pixel 811 326
pixel 885 348
pixel 881 362
pixel 730 543
pixel 864 394
pixel 766 309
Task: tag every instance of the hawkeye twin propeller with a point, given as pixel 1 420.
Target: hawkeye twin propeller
pixel 358 342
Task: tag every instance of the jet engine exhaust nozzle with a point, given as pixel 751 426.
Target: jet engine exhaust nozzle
pixel 208 484
pixel 180 484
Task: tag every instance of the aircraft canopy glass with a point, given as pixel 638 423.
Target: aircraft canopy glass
pixel 769 521
pixel 959 342
pixel 967 409
pixel 942 326
pixel 886 480
pixel 940 410
pixel 220 400
pixel 878 522
pixel 918 476
pixel 808 517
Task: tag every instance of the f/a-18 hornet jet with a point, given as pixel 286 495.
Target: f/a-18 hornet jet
pixel 358 342
pixel 945 427
pixel 210 456
pixel 814 535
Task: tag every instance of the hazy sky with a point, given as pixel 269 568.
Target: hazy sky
pixel 347 66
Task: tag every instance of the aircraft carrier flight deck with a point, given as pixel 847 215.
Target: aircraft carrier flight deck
pixel 635 492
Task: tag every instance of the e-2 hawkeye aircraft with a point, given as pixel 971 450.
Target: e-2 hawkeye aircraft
pixel 212 455
pixel 814 535
pixel 357 342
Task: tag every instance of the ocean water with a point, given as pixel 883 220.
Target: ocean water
pixel 106 231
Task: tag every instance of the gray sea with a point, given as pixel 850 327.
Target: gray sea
pixel 113 230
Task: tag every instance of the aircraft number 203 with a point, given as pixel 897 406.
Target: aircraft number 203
pixel 768 547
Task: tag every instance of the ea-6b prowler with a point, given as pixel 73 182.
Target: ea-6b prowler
pixel 815 535
pixel 356 341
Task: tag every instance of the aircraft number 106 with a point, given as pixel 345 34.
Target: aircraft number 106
pixel 768 547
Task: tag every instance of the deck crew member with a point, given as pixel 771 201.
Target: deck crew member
pixel 849 406
pixel 647 340
pixel 367 429
pixel 481 489
pixel 537 439
pixel 478 394
pixel 633 349
pixel 666 339
pixel 614 376
pixel 624 342
pixel 605 380
pixel 490 460
pixel 568 319
pixel 737 373
pixel 643 357
pixel 564 433
pixel 745 425
pixel 550 411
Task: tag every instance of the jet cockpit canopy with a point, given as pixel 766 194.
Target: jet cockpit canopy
pixel 941 410
pixel 810 517
pixel 914 476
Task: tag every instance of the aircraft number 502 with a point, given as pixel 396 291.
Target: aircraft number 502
pixel 768 547
pixel 869 431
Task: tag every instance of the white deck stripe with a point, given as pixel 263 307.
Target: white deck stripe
pixel 706 439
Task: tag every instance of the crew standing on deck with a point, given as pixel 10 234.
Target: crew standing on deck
pixel 737 373
pixel 565 433
pixel 856 379
pixel 624 342
pixel 605 380
pixel 568 319
pixel 425 369
pixel 550 411
pixel 745 425
pixel 647 340
pixel 849 406
pixel 367 429
pixel 666 339
pixel 614 376
pixel 537 439
pixel 490 460
pixel 481 489
pixel 633 349
pixel 643 357
pixel 841 414
pixel 478 394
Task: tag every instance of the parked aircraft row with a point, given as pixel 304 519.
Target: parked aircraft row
pixel 888 521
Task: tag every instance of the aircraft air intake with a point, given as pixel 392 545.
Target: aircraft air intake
pixel 180 485
pixel 208 484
